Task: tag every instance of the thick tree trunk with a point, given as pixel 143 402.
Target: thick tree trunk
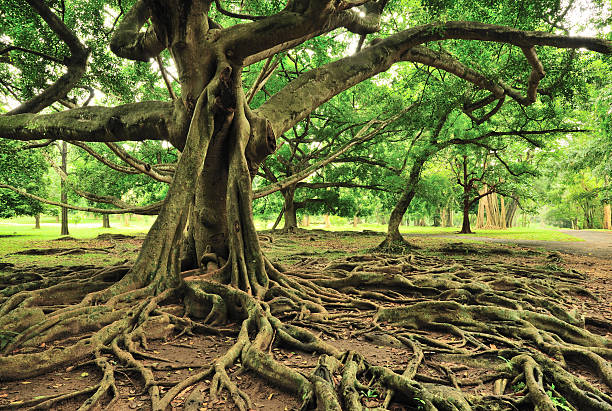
pixel 64 193
pixel 37 221
pixel 105 221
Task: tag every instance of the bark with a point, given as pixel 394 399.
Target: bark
pixel 395 219
pixel 37 221
pixel 64 192
pixel 289 208
pixel 106 221
pixel 465 225
pixel 607 217
pixel 511 212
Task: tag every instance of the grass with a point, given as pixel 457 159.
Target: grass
pixel 515 233
pixel 19 234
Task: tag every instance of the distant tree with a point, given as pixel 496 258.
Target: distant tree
pixel 25 169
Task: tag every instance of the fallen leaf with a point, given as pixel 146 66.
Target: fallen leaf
pixel 26 382
pixel 270 396
pixel 84 374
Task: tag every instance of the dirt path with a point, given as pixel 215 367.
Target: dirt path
pixel 596 243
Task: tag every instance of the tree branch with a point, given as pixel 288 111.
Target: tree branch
pixel 137 164
pixel 152 209
pixel 134 122
pixel 290 105
pixel 129 42
pixel 76 63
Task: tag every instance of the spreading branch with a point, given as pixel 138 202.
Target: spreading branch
pixel 152 120
pixel 76 64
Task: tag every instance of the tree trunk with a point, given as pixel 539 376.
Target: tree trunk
pixel 126 219
pixel 511 212
pixel 395 219
pixel 289 208
pixel 481 219
pixel 64 193
pixel 355 221
pixel 105 221
pixel 37 221
pixel 306 220
pixel 465 226
pixel 607 217
pixel 326 220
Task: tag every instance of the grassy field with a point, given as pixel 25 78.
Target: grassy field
pixel 19 234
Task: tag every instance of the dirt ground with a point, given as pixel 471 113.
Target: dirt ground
pixel 178 356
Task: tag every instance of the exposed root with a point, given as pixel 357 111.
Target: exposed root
pixel 511 322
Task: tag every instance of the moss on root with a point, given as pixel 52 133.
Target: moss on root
pixel 510 320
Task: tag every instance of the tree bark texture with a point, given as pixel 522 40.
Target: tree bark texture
pixel 607 217
pixel 105 221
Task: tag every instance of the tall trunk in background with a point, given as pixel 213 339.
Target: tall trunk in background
pixel 326 220
pixel 105 221
pixel 289 208
pixel 64 193
pixel 306 220
pixel 607 211
pixel 607 217
pixel 465 226
pixel 37 221
pixel 481 219
pixel 511 212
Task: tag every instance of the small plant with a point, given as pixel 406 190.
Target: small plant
pixel 421 405
pixel 507 361
pixel 370 393
pixel 559 402
pixel 518 386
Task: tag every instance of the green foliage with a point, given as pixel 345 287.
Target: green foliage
pixel 559 402
pixel 23 169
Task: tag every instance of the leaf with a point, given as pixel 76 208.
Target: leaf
pixel 84 374
pixel 26 382
pixel 270 396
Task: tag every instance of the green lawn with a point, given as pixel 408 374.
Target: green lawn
pixel 19 233
pixel 515 233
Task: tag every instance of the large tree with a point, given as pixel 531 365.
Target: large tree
pixel 203 245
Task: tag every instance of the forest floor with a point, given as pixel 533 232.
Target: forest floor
pixel 176 357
